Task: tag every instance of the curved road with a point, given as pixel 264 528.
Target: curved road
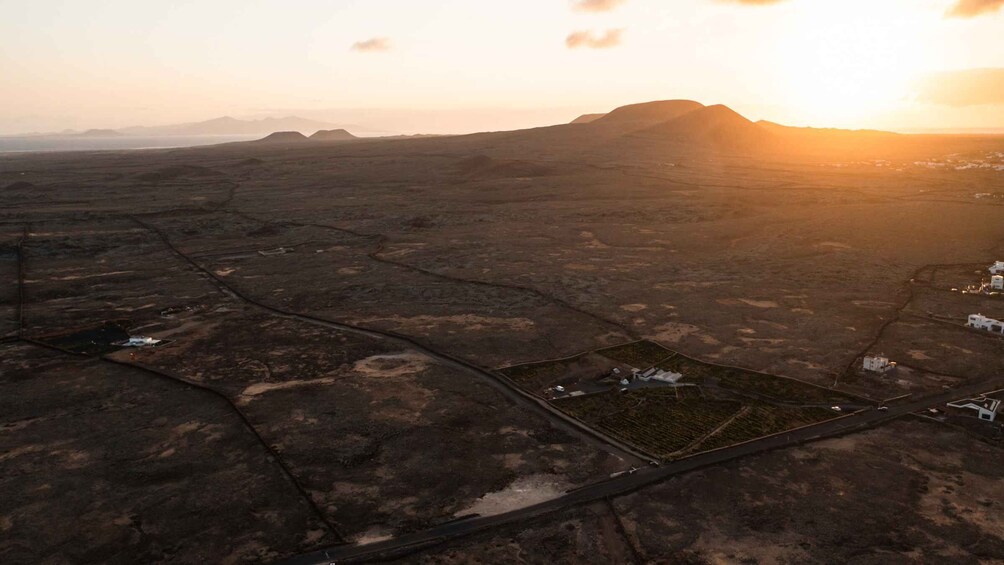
pixel 513 393
pixel 629 483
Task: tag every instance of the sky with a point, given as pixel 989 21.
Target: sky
pixel 454 66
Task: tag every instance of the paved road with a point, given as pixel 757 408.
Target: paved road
pixel 644 477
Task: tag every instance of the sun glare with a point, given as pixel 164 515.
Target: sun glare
pixel 841 64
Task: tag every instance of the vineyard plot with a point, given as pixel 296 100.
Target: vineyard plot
pixel 653 420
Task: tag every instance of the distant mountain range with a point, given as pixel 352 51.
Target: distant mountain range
pixel 233 126
pixel 218 126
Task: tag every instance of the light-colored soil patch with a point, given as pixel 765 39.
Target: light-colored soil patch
pixel 468 322
pixel 523 492
pixel 633 307
pixel 833 245
pixel 393 365
pixel 261 388
pixel 373 535
pixel 759 303
pixel 673 332
pixel 918 355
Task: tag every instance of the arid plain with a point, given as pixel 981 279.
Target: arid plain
pixel 361 341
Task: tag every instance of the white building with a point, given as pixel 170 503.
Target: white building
pixel 997 268
pixel 656 374
pixel 139 342
pixel 878 363
pixel 981 322
pixel 997 282
pixel 986 408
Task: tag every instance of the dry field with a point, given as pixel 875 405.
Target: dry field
pixel 267 268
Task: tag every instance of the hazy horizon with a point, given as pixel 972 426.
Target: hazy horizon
pixel 445 66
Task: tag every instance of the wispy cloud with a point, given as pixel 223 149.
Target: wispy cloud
pixel 610 38
pixel 751 2
pixel 372 45
pixel 973 8
pixel 969 87
pixel 595 5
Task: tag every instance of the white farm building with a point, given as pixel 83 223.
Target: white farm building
pixel 997 282
pixel 997 268
pixel 986 408
pixel 981 322
pixel 878 364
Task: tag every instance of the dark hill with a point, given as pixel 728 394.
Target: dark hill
pixel 283 137
pixel 332 135
pixel 717 126
pixel 648 113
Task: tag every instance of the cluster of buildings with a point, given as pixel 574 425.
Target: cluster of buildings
pixel 658 375
pixel 981 322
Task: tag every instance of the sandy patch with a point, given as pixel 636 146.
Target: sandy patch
pixel 833 245
pixel 523 492
pixel 350 270
pixel 633 307
pixel 673 332
pixel 374 535
pixel 918 355
pixel 261 388
pixel 592 242
pixel 96 275
pixel 469 322
pixel 759 303
pixel 224 272
pixel 393 365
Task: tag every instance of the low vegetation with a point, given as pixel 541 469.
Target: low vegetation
pixel 764 420
pixel 654 420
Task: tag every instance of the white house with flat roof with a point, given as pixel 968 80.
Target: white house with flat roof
pixel 986 408
pixel 997 282
pixel 981 322
pixel 878 364
pixel 997 268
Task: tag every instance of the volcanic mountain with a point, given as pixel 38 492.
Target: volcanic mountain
pixel 718 126
pixel 332 135
pixel 637 116
pixel 283 137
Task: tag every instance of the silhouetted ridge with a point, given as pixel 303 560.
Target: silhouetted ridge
pixel 649 113
pixel 587 118
pixel 283 137
pixel 332 135
pixel 717 125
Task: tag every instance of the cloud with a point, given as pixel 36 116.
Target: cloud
pixel 751 2
pixel 973 8
pixel 969 87
pixel 611 38
pixel 595 5
pixel 372 45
